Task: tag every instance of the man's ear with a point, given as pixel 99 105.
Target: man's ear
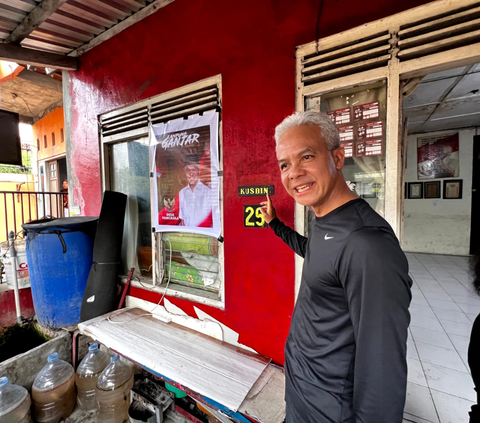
pixel 338 157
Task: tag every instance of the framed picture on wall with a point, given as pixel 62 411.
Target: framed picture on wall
pixel 452 189
pixel 431 189
pixel 415 190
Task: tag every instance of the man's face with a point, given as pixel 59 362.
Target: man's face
pixel 308 169
pixel 192 174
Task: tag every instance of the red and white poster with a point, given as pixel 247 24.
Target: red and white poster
pixel 366 111
pixel 360 149
pixel 438 157
pixel 370 130
pixel 373 148
pixel 348 147
pixel 340 116
pixel 184 160
pixel 346 133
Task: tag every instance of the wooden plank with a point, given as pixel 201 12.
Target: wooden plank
pixel 78 10
pixel 11 13
pixel 440 34
pixel 54 48
pixel 19 54
pixel 39 79
pixel 77 22
pixel 354 48
pixel 391 23
pixel 200 363
pixel 441 22
pixel 34 19
pixel 439 62
pixel 137 17
pixel 352 58
pixel 20 5
pixel 345 82
pixel 435 47
pixel 353 68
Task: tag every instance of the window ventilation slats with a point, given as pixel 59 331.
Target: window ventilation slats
pixel 120 125
pixel 184 105
pixel 439 34
pixel 347 59
pixel 185 98
pixel 347 70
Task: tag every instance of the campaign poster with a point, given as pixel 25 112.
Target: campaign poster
pixel 184 162
pixel 438 157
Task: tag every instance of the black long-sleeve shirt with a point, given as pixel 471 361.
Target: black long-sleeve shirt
pixel 345 357
pixel 474 363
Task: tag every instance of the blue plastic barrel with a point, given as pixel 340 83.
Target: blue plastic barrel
pixel 59 257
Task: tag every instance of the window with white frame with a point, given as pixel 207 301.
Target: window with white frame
pixel 191 263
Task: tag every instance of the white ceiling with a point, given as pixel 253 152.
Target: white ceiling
pixel 445 100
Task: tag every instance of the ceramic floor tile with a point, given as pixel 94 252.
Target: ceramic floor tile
pixel 457 328
pixel 408 418
pixel 457 290
pixel 421 310
pixel 439 295
pixel 427 283
pixel 470 308
pixel 445 357
pixel 451 409
pixel 466 299
pixel 450 381
pixel 452 316
pixel 415 372
pixel 419 300
pixel 472 317
pixel 433 337
pixel 422 275
pixel 445 305
pixel 419 403
pixel 427 322
pixel 460 342
pixel 411 349
pixel 432 288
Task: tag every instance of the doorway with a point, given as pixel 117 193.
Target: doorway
pixel 442 118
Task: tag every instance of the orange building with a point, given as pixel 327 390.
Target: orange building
pixel 49 135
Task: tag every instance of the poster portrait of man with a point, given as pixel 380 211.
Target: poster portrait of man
pixel 184 156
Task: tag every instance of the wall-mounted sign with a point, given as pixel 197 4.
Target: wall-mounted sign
pixel 366 111
pixel 252 217
pixel 340 116
pixel 348 147
pixel 256 190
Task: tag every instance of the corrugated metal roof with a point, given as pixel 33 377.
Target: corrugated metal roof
pixel 74 24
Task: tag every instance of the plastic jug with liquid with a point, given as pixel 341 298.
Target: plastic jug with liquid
pixel 14 403
pixel 53 391
pixel 88 372
pixel 113 392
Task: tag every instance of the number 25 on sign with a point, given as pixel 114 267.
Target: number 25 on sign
pixel 252 217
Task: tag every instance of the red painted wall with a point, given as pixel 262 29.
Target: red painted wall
pixel 252 44
pixel 8 314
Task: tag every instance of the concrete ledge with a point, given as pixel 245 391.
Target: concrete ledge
pixel 23 368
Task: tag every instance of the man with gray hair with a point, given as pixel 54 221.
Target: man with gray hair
pixel 345 356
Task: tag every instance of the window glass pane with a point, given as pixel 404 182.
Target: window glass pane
pixel 360 113
pixel 192 260
pixel 130 175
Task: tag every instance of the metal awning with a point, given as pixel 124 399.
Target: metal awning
pixel 52 32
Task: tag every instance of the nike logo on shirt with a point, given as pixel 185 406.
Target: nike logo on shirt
pixel 328 237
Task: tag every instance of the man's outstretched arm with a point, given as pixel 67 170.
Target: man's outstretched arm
pixel 293 239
